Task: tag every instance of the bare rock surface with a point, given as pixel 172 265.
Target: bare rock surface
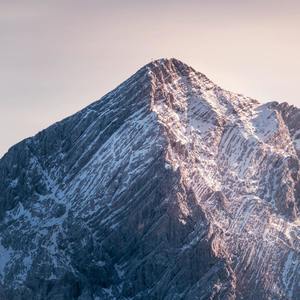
pixel 168 187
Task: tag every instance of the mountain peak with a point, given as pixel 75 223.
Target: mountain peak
pixel 169 65
pixel 169 187
pixel 166 61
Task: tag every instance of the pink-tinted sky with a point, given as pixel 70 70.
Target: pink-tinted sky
pixel 57 56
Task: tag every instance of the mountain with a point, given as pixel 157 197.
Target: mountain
pixel 168 187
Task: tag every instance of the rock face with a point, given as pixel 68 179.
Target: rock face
pixel 167 188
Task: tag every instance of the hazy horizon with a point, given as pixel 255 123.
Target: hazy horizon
pixel 57 57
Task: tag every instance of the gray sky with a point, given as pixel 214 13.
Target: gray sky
pixel 57 56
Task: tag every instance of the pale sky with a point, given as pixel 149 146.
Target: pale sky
pixel 57 56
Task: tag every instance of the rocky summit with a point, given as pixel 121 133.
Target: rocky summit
pixel 168 187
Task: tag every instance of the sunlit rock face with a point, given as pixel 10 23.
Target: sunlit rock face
pixel 168 187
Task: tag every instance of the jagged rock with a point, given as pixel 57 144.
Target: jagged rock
pixel 168 187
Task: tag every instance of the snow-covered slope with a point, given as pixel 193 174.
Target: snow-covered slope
pixel 169 187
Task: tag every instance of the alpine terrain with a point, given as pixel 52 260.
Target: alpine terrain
pixel 168 187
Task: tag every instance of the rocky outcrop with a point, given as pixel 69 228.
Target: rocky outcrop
pixel 168 187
